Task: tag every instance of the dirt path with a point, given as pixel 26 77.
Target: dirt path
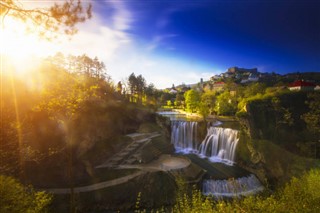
pixel 97 186
pixel 139 139
pixel 164 163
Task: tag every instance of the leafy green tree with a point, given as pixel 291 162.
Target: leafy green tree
pixel 164 98
pixel 150 92
pixel 16 198
pixel 192 99
pixel 133 85
pixel 226 104
pixel 59 18
pixel 312 119
pixel 254 89
pixel 81 65
pixel 203 110
pixel 179 100
pixel 141 85
pixel 64 96
pixel 209 100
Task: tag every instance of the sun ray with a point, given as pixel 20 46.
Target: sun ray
pixel 24 49
pixel 18 124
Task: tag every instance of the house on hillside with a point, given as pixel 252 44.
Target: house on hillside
pixel 173 91
pixel 218 86
pixel 253 77
pixel 301 85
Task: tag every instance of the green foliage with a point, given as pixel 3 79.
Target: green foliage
pixel 254 89
pixel 137 87
pixel 312 118
pixel 14 197
pixel 226 104
pixel 208 99
pixel 59 18
pixel 192 99
pixel 179 100
pixel 204 110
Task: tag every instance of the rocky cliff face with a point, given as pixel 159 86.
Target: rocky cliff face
pixel 271 130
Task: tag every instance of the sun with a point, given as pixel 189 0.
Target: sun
pixel 22 49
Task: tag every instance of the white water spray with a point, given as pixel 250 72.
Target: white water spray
pixel 219 145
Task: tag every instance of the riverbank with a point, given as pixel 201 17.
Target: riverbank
pixel 198 116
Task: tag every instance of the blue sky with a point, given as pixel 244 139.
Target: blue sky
pixel 181 41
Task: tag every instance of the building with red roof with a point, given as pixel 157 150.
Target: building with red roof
pixel 218 86
pixel 301 85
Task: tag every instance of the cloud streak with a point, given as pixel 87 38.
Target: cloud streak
pixel 108 38
pixel 159 40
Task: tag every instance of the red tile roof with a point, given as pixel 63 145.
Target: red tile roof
pixel 301 83
pixel 220 82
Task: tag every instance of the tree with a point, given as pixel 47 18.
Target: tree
pixel 254 89
pixel 209 100
pixel 226 104
pixel 81 65
pixel 312 119
pixel 141 85
pixel 63 98
pixel 192 99
pixel 164 98
pixel 150 92
pixel 133 84
pixel 119 88
pixel 15 198
pixel 137 85
pixel 59 18
pixel 179 99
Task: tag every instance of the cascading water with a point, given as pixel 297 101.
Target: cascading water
pixel 220 144
pixel 232 188
pixel 184 136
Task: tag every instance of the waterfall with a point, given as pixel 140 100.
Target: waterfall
pixel 184 136
pixel 219 145
pixel 233 187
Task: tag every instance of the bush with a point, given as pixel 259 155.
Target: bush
pixel 14 197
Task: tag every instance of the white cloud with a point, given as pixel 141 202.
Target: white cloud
pixel 122 55
pixel 97 39
pixel 160 40
pixel 122 17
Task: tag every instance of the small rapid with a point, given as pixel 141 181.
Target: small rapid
pixel 242 186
